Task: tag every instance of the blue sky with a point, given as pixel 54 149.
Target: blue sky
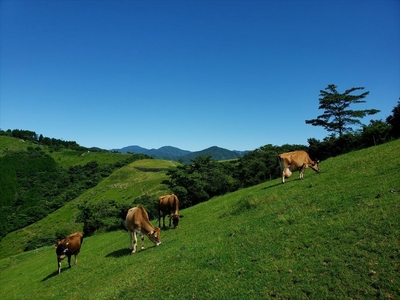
pixel 191 74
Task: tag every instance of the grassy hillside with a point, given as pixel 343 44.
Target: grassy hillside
pixel 64 157
pixel 13 144
pixel 334 235
pixel 123 186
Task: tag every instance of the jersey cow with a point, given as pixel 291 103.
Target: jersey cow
pixel 137 222
pixel 169 205
pixel 296 160
pixel 68 246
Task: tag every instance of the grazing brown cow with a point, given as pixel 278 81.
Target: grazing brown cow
pixel 296 160
pixel 68 246
pixel 169 205
pixel 137 222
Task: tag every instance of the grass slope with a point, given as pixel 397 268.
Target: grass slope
pixel 13 144
pixel 64 157
pixel 124 186
pixel 326 237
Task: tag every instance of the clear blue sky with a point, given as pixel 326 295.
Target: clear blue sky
pixel 191 74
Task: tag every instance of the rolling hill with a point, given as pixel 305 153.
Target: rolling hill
pixel 333 235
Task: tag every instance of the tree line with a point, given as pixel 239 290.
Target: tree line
pixel 52 143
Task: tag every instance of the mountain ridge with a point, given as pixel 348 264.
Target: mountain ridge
pixel 174 153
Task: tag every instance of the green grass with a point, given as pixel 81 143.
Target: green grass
pixel 326 237
pixel 13 144
pixel 64 157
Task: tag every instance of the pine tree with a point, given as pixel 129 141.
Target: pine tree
pixel 337 116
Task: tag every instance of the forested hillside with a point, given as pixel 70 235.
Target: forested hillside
pixel 33 183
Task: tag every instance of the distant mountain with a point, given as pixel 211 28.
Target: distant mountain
pixel 217 153
pixel 173 153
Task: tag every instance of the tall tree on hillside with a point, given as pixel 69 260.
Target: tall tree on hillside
pixel 337 116
pixel 394 120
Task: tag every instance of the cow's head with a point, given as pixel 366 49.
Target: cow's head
pixel 61 249
pixel 155 236
pixel 314 166
pixel 175 219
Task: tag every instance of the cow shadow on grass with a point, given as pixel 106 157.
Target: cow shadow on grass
pixel 127 251
pixel 119 253
pixel 166 228
pixel 55 273
pixel 272 186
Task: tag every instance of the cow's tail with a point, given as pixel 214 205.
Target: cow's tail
pixel 281 164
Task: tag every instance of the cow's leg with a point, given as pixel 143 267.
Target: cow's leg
pixel 163 220
pixel 170 218
pixel 142 242
pixel 69 261
pixel 59 265
pixel 134 242
pixel 282 168
pixel 76 258
pixel 303 168
pixel 130 240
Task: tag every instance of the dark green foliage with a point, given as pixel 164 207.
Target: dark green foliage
pixel 27 180
pixel 33 185
pixel 148 203
pixel 199 180
pixel 41 241
pixel 337 116
pixel 104 216
pixel 24 134
pixel 376 133
pixel 108 215
pixel 394 121
pixel 38 242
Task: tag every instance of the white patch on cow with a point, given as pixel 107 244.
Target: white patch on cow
pixel 288 173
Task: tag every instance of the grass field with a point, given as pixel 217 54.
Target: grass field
pixel 334 235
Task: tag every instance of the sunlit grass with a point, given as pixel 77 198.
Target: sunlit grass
pixel 329 236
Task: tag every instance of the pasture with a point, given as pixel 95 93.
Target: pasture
pixel 334 235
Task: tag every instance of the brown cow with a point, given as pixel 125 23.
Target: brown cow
pixel 137 222
pixel 296 160
pixel 68 246
pixel 169 205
